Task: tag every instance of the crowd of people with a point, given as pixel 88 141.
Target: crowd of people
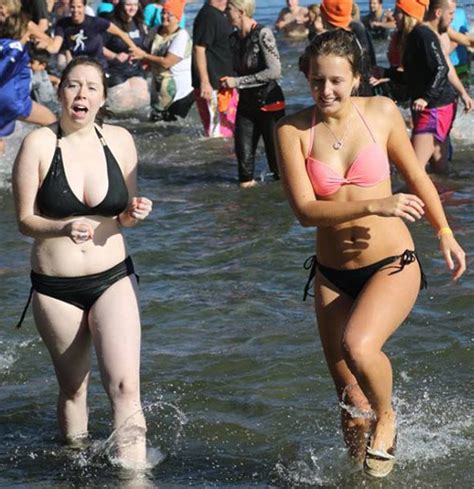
pixel 74 180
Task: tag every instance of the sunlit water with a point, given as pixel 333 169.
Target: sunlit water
pixel 235 388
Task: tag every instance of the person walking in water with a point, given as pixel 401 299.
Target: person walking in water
pixel 74 185
pixel 334 165
pixel 261 101
pixel 212 60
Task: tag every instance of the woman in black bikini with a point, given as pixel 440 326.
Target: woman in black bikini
pixel 334 166
pixel 74 185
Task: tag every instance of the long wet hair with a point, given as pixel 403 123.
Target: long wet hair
pixel 16 24
pixel 336 42
pixel 87 61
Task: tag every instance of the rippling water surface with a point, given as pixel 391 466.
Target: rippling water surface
pixel 235 388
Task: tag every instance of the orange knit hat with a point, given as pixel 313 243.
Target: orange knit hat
pixel 337 12
pixel 176 7
pixel 413 8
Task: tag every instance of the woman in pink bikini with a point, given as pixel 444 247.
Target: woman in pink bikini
pixel 334 164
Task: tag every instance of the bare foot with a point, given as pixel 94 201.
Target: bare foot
pixel 249 184
pixel 384 434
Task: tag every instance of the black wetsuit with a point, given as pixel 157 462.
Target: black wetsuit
pixel 425 68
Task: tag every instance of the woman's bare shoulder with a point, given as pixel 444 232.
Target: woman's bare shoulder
pixel 40 140
pixel 118 132
pixel 298 122
pixel 381 106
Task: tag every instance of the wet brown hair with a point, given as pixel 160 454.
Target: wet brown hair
pixel 336 42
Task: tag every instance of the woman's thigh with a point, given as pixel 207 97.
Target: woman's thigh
pixel 114 321
pixel 333 310
pixel 383 305
pixel 63 328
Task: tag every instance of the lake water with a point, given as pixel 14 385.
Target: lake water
pixel 235 387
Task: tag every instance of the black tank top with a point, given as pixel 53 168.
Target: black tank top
pixel 56 199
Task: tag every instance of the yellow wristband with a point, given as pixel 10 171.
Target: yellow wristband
pixel 443 231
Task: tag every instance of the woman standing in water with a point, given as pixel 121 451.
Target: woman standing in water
pixel 261 102
pixel 73 186
pixel 334 163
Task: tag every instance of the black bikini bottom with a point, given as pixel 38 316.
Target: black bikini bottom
pixel 81 291
pixel 351 282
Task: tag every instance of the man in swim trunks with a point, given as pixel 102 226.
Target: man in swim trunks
pixel 432 85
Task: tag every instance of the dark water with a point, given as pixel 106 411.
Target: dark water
pixel 235 388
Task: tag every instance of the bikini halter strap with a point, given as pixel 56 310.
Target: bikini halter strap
pixel 311 133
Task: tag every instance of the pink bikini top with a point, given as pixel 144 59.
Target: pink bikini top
pixel 369 167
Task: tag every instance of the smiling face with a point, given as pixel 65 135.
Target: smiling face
pixel 82 94
pixel 78 11
pixel 130 7
pixel 332 81
pixel 169 20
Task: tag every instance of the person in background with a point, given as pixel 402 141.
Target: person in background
pixel 16 30
pixel 315 21
pixel 378 21
pixel 292 20
pixel 43 85
pixel 80 34
pixel 432 85
pixel 152 14
pixel 211 61
pixel 37 11
pixel 74 186
pixel 338 14
pixel 460 56
pixel 261 101
pixel 168 53
pixel 62 9
pixel 334 162
pixel 127 79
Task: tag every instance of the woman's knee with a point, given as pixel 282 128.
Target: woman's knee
pixel 124 390
pixel 74 392
pixel 357 349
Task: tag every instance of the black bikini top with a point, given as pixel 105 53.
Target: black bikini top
pixel 56 199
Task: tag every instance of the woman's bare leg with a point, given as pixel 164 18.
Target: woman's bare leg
pixel 64 330
pixel 423 144
pixel 332 312
pixel 378 312
pixel 115 326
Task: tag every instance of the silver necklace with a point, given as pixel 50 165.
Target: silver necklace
pixel 339 141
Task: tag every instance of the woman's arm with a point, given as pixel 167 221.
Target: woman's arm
pixel 26 182
pixel 165 62
pixel 272 70
pixel 401 153
pixel 300 193
pixel 115 31
pixel 139 207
